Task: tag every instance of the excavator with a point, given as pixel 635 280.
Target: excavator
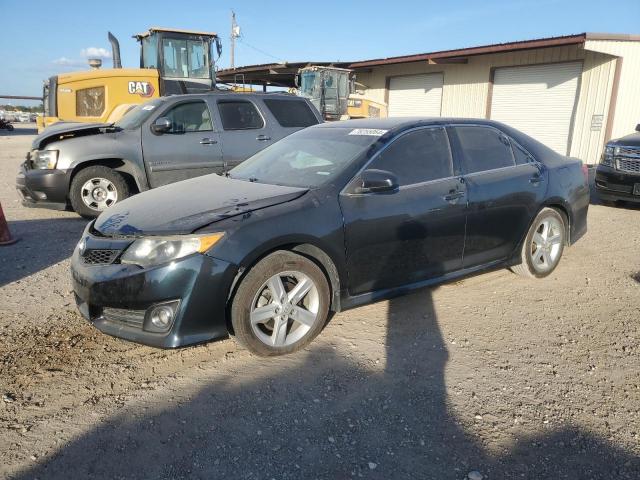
pixel 172 62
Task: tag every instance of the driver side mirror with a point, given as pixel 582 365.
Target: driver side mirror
pixel 376 181
pixel 638 127
pixel 161 125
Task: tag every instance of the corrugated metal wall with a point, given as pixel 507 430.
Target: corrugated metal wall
pixel 589 128
pixel 466 87
pixel 627 114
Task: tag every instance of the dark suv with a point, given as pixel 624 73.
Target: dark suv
pixel 93 166
pixel 618 174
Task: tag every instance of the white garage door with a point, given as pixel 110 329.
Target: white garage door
pixel 415 95
pixel 538 100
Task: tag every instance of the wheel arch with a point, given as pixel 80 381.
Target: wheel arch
pixel 305 248
pixel 130 173
pixel 561 206
pixel 557 204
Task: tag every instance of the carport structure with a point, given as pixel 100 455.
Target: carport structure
pixel 573 92
pixel 270 74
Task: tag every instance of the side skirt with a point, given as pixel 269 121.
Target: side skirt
pixel 378 295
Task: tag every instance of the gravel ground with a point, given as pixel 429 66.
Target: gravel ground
pixel 493 377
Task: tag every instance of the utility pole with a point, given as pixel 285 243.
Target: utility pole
pixel 235 33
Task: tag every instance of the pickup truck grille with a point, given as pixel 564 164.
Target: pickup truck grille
pixel 628 159
pixel 628 165
pixel 100 256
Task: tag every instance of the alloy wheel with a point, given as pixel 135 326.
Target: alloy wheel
pixel 284 309
pixel 546 244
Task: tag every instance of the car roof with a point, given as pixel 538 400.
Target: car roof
pixel 393 123
pixel 222 93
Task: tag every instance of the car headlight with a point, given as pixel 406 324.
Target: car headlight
pixel 354 102
pixel 44 159
pixel 607 156
pixel 150 251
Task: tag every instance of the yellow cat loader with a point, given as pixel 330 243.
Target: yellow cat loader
pixel 171 62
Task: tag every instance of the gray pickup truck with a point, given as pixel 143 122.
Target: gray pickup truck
pixel 93 166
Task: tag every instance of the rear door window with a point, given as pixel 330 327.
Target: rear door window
pixel 520 154
pixel 418 156
pixel 291 113
pixel 239 115
pixel 483 148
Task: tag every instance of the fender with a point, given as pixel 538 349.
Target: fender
pixel 129 167
pixel 309 247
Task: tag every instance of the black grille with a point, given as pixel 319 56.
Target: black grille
pixel 628 165
pixel 628 159
pixel 100 256
pixel 132 318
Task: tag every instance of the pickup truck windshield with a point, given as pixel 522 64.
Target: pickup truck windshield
pixel 308 158
pixel 138 114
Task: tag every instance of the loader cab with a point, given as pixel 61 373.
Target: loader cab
pixel 328 88
pixel 184 59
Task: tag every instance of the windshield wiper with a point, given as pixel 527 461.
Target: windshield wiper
pixel 252 179
pixel 112 128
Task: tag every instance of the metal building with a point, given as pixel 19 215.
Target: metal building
pixel 573 93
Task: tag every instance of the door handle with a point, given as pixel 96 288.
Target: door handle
pixel 536 179
pixel 208 141
pixel 263 138
pixel 452 196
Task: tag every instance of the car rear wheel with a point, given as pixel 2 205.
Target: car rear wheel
pixel 94 189
pixel 543 246
pixel 280 305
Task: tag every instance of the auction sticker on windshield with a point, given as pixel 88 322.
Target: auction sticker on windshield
pixel 372 132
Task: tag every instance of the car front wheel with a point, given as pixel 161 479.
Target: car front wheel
pixel 94 189
pixel 280 305
pixel 543 246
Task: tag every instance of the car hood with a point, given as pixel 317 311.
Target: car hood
pixel 184 207
pixel 66 129
pixel 632 140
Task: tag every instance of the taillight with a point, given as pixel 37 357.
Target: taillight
pixel 585 172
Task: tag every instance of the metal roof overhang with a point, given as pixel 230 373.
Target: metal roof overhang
pixel 283 74
pixel 273 74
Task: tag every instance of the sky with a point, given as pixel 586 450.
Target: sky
pixel 43 38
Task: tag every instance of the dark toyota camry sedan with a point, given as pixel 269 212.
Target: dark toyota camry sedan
pixel 332 217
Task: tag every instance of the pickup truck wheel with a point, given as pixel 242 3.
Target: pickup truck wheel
pixel 280 305
pixel 94 189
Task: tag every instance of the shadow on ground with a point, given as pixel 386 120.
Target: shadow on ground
pixel 319 415
pixel 322 414
pixel 41 243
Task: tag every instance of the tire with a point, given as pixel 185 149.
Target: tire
pixel 10 127
pixel 300 319
pixel 543 246
pixel 108 186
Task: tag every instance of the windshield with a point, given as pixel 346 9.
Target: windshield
pixel 138 114
pixel 308 158
pixel 307 83
pixel 185 58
